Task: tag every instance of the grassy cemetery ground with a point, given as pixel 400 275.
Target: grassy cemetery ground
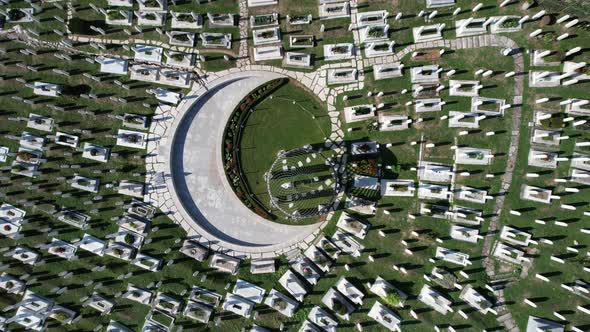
pixel 86 12
pixel 567 241
pixel 403 237
pixel 47 22
pixel 335 30
pixel 52 188
pixel 396 224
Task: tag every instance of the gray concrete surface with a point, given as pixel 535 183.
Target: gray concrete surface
pixel 201 191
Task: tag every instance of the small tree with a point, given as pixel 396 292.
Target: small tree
pixel 339 307
pixel 392 299
pixel 129 239
pixel 279 304
pixel 16 14
pixel 60 250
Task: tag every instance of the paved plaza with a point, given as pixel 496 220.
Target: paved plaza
pixel 197 192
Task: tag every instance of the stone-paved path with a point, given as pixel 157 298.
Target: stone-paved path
pixel 505 318
pixel 243 54
pixel 132 40
pixel 69 14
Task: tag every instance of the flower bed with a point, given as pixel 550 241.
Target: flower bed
pixel 365 167
pixel 231 141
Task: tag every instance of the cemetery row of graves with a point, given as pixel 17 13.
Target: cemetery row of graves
pixel 466 178
pixel 525 222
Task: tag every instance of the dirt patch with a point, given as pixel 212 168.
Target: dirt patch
pixel 505 268
pixel 427 55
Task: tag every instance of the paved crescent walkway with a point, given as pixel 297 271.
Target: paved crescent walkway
pixel 206 205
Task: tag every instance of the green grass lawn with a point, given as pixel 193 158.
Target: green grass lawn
pixel 291 119
pixel 216 62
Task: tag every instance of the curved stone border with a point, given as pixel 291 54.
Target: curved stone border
pixel 274 239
